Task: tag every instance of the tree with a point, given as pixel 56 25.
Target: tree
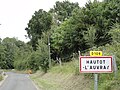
pixel 68 37
pixel 39 23
pixel 43 53
pixel 90 37
pixel 102 15
pixel 2 57
pixel 63 10
pixel 22 53
pixel 39 58
pixel 9 52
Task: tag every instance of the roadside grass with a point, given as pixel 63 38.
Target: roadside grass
pixel 1 78
pixel 66 68
pixel 62 78
pixel 44 84
pixel 109 81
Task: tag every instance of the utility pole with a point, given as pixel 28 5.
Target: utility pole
pixel 49 50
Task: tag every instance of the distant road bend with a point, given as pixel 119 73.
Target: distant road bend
pixel 17 81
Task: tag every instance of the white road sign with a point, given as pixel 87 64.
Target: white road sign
pixel 90 64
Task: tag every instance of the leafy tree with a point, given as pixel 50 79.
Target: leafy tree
pixel 23 52
pixel 63 10
pixel 39 58
pixel 43 54
pixel 90 37
pixel 14 54
pixel 2 57
pixel 68 37
pixel 39 23
pixel 9 51
pixel 32 61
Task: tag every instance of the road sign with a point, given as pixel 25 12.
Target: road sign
pixel 95 53
pixel 90 64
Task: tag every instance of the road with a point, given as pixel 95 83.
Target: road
pixel 17 81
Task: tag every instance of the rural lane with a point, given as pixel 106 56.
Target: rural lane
pixel 16 81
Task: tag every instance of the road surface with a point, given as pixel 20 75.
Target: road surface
pixel 17 81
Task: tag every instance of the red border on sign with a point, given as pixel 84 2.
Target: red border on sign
pixel 94 71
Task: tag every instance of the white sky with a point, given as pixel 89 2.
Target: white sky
pixel 15 14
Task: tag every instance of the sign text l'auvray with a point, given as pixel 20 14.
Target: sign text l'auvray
pixel 95 64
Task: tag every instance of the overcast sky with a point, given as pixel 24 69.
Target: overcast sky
pixel 15 14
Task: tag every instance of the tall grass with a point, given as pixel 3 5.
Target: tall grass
pixel 1 78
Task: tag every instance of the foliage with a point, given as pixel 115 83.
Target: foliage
pixel 39 23
pixel 19 55
pixel 8 53
pixel 85 28
pixel 63 10
pixel 37 59
pixel 90 36
pixel 2 56
pixel 23 51
pixel 115 32
pixel 43 55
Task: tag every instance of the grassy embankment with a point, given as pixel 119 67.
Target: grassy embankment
pixel 67 77
pixel 1 78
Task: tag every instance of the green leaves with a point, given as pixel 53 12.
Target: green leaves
pixel 63 10
pixel 40 22
pixel 71 29
pixel 115 33
pixel 90 37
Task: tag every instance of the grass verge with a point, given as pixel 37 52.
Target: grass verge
pixel 62 78
pixel 1 78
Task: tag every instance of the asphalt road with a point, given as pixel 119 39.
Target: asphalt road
pixel 16 81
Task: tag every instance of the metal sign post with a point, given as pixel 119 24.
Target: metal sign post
pixel 95 53
pixel 95 81
pixel 115 67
